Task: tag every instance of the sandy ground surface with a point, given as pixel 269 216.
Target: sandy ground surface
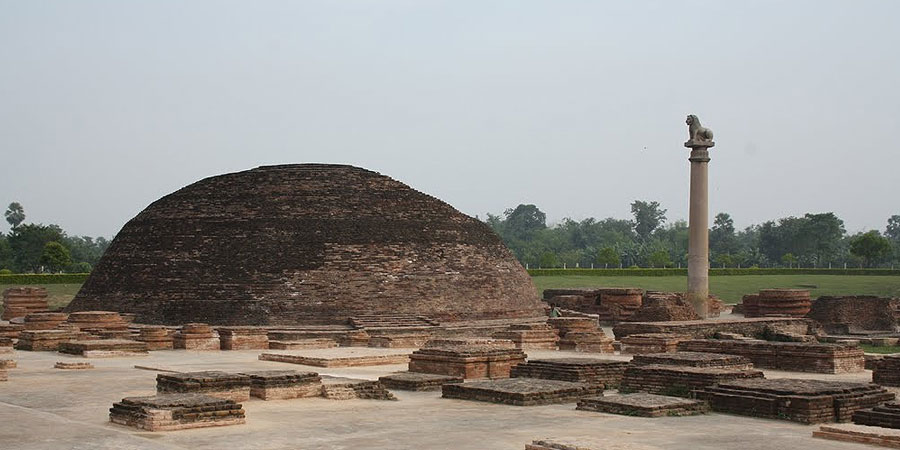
pixel 46 408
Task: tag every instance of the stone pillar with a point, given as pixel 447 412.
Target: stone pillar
pixel 698 227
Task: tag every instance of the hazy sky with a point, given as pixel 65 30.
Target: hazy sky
pixel 575 106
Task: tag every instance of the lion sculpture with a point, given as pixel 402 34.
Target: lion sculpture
pixel 697 132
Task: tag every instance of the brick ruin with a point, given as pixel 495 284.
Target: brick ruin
pixel 776 302
pixel 886 371
pixel 467 358
pixel 168 412
pixel 417 381
pixel 755 327
pixel 845 315
pixel 679 373
pixel 520 391
pixel 613 305
pixel 283 384
pixel 317 244
pixel 799 400
pixel 790 356
pixel 641 404
pixel 21 301
pixel 605 373
pixel 229 386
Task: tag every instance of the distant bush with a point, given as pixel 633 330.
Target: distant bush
pixel 5 271
pixel 43 278
pixel 638 272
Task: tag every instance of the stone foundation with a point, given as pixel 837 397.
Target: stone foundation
pixel 335 388
pixel 604 373
pixel 44 340
pixel 10 330
pixel 303 344
pixel 777 302
pixel 171 412
pixel 44 321
pixel 756 327
pixel 845 315
pixel 693 359
pixel 530 336
pixel 467 359
pixel 886 415
pixel 398 341
pixel 196 336
pixel 218 384
pixel 886 371
pixel 104 348
pixel 6 364
pixel 679 381
pixel 333 361
pixel 519 391
pixel 798 400
pixel 790 356
pixel 882 437
pixel 414 381
pixel 95 322
pixel 73 365
pixel 644 405
pixel 156 338
pixel 284 384
pixel 637 344
pixel 19 302
pixel 243 339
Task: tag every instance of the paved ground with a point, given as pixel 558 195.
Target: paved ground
pixel 46 408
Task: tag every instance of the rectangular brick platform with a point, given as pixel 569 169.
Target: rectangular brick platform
pixel 861 434
pixel 637 344
pixel 790 356
pixel 467 359
pixel 243 339
pixel 699 329
pixel 693 359
pixel 337 388
pixel 605 373
pixel 886 371
pixel 73 365
pixel 196 336
pixel 399 340
pixel 798 400
pixel 44 340
pixel 886 415
pixel 337 361
pixel 520 391
pixel 303 344
pixel 566 444
pixel 540 336
pixel 169 412
pixel 214 383
pixel 284 384
pixel 414 381
pixel 104 348
pixel 643 405
pixel 679 381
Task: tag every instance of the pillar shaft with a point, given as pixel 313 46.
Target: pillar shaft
pixel 698 240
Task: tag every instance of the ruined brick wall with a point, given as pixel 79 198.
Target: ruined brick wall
pixel 305 244
pixel 845 314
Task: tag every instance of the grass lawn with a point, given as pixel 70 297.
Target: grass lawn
pixel 59 295
pixel 883 349
pixel 728 288
pixel 732 288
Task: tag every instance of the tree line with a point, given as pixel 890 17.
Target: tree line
pixel 39 248
pixel 816 240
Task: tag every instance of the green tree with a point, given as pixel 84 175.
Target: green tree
pixel 872 247
pixel 6 254
pixel 721 237
pixel 55 256
pixel 549 260
pixel 15 214
pixel 608 257
pixel 724 260
pixel 789 259
pixel 648 216
pixel 28 242
pixel 660 258
pixel 524 221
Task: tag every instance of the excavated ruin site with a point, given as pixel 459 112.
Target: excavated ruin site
pixel 330 307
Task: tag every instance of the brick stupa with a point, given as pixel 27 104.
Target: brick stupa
pixel 306 244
